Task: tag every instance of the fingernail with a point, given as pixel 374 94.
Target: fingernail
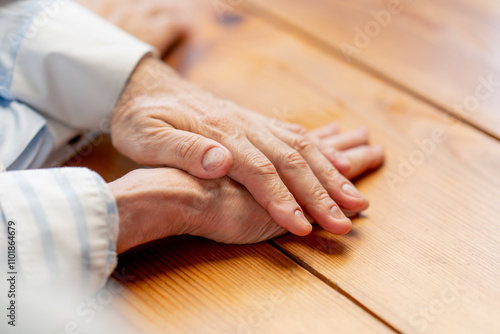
pixel 337 213
pixel 351 191
pixel 213 159
pixel 302 218
pixel 378 149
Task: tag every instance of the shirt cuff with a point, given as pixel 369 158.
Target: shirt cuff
pixel 66 224
pixel 74 66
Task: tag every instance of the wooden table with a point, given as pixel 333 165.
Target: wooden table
pixel 425 257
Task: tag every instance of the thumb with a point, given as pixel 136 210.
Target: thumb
pixel 199 156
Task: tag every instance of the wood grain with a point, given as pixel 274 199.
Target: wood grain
pixel 193 285
pixel 424 256
pixel 440 51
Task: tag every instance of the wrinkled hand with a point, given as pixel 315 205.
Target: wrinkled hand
pixel 162 120
pixel 161 202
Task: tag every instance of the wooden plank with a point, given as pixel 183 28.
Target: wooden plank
pixel 193 285
pixel 424 256
pixel 441 51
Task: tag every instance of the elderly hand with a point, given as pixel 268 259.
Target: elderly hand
pixel 161 202
pixel 162 120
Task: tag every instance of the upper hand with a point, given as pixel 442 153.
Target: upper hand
pixel 162 120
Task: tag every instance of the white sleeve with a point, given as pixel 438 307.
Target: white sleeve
pixel 72 65
pixel 65 226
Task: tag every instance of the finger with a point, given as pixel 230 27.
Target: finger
pixel 332 146
pixel 364 158
pixel 302 183
pixel 326 131
pixel 336 158
pixel 340 189
pixel 195 154
pixel 347 140
pixel 253 169
pixel 297 128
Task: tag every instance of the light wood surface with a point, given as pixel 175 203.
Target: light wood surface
pixel 426 231
pixel 193 285
pixel 437 50
pixel 422 259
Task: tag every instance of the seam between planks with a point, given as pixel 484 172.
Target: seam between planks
pixel 333 285
pixel 286 26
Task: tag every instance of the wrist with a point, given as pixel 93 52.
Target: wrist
pixel 129 213
pixel 156 203
pixel 151 77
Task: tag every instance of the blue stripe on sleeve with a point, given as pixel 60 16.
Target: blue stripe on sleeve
pixel 41 221
pixel 79 219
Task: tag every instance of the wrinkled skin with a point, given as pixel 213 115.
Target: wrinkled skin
pixel 161 202
pixel 163 120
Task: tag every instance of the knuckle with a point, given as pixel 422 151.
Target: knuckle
pixel 262 166
pixel 330 172
pixel 298 129
pixel 213 120
pixel 319 194
pixel 186 147
pixel 219 126
pixel 292 159
pixel 302 143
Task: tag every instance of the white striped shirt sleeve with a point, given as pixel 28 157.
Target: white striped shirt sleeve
pixel 66 224
pixel 74 66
